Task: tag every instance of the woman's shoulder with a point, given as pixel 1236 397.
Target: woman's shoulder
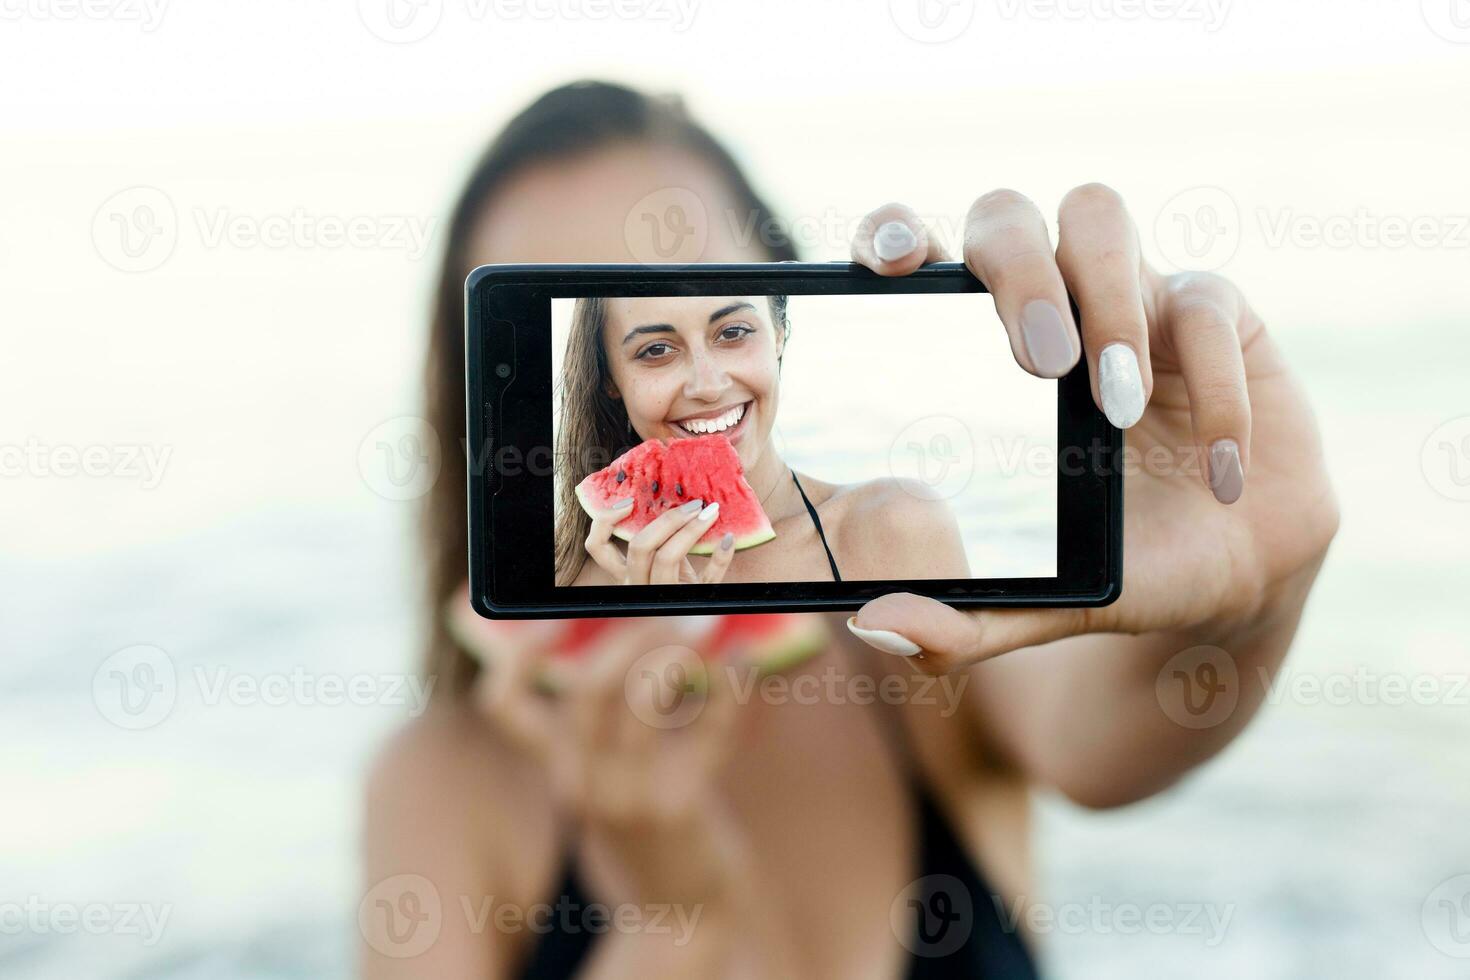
pixel 894 517
pixel 449 771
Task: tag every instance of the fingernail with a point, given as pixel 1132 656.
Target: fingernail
pixel 885 640
pixel 894 240
pixel 1047 338
pixel 620 504
pixel 691 507
pixel 728 541
pixel 1121 385
pixel 1227 479
pixel 708 514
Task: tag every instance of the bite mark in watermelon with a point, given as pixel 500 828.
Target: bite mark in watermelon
pixel 661 477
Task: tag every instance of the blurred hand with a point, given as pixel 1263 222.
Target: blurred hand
pixel 659 554
pixel 633 743
pixel 1241 512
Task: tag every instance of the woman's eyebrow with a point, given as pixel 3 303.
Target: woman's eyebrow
pixel 727 310
pixel 649 328
pixel 668 328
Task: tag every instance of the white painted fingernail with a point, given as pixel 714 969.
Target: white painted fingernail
pixel 893 241
pixel 728 541
pixel 691 506
pixel 708 514
pixel 1121 385
pixel 885 640
pixel 620 504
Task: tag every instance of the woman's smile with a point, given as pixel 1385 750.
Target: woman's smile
pixel 732 421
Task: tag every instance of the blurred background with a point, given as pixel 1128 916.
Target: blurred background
pixel 219 230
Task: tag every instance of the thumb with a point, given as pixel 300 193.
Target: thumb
pixel 938 638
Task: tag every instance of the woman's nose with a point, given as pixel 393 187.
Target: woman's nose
pixel 705 377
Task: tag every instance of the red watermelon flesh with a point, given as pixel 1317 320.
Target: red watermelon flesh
pixel 661 477
pixel 770 642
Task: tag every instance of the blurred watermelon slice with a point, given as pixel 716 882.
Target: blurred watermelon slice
pixel 769 642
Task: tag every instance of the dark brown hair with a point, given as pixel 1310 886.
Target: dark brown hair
pixel 568 121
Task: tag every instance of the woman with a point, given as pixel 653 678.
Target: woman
pixel 676 367
pixel 843 836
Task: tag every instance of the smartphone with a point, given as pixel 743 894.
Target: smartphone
pixel 871 389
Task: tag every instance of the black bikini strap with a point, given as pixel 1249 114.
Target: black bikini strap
pixel 818 522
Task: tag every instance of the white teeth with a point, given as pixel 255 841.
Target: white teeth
pixel 703 426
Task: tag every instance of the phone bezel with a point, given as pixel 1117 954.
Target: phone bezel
pixel 507 320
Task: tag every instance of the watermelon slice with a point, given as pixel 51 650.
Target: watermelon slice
pixel 660 477
pixel 770 642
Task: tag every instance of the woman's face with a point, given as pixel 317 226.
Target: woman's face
pixel 686 366
pixel 588 209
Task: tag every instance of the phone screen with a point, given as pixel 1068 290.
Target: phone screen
pixel 862 397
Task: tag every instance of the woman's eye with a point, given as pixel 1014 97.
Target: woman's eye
pixel 735 331
pixel 653 350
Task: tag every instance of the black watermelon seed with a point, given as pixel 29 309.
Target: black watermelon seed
pixel 622 476
pixel 679 489
pixel 655 486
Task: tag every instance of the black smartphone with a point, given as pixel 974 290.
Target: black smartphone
pixel 888 397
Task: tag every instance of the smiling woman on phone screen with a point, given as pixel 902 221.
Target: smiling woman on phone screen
pixel 582 829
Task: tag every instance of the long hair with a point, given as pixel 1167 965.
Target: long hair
pixel 566 122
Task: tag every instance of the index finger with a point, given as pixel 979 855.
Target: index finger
pixel 894 241
pixel 599 538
